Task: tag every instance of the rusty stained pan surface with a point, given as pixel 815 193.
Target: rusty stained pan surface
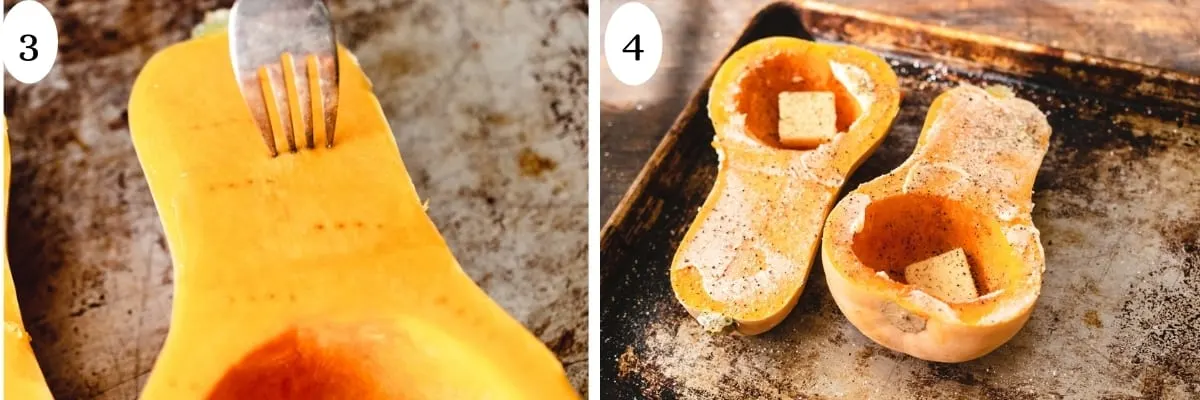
pixel 1116 202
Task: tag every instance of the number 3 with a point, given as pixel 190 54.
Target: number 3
pixel 26 56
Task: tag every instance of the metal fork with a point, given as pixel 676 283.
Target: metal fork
pixel 280 47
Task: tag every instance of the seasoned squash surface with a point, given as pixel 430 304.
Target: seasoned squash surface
pixel 968 185
pixel 744 260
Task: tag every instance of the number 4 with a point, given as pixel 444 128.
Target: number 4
pixel 637 51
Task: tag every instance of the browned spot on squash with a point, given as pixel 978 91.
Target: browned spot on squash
pixel 1092 319
pixel 295 365
pixel 627 362
pixel 495 118
pixel 534 164
pixel 402 63
pixel 902 319
pixel 747 262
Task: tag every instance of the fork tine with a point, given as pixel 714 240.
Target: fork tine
pixel 317 106
pixel 296 73
pixel 261 32
pixel 327 76
pixel 252 91
pixel 279 94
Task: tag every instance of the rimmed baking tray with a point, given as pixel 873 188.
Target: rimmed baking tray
pixel 1117 202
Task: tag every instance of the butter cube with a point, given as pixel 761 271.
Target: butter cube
pixel 946 276
pixel 806 119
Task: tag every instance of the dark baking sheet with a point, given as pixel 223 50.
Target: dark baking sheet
pixel 1117 202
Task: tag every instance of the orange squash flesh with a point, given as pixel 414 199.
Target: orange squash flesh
pixel 969 185
pixel 744 260
pixel 315 274
pixel 23 377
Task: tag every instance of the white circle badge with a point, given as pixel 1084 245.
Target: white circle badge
pixel 28 41
pixel 633 43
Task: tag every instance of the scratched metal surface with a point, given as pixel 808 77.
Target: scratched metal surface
pixel 488 102
pixel 1117 202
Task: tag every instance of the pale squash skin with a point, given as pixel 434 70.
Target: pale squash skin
pixel 314 274
pixel 968 184
pixel 746 257
pixel 23 377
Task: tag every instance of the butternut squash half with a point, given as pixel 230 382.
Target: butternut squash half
pixel 23 377
pixel 745 258
pixel 311 275
pixel 889 246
